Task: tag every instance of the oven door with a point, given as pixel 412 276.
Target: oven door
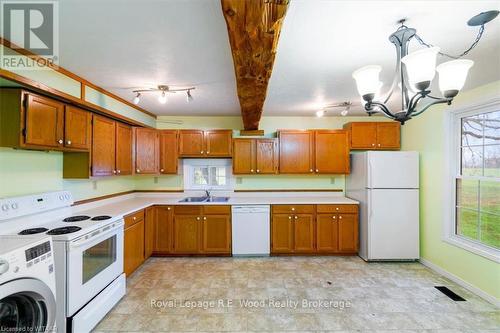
pixel 93 264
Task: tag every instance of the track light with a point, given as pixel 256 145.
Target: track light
pixel 137 98
pixel 189 97
pixel 163 98
pixel 320 113
pixel 344 112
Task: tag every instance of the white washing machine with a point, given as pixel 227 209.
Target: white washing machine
pixel 27 285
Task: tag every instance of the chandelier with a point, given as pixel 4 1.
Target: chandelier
pixel 415 72
pixel 162 90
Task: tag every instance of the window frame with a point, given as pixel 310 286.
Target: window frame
pixel 190 164
pixel 452 165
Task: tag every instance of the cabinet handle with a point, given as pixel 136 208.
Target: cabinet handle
pixel 379 144
pixel 334 217
pixel 68 142
pixel 289 217
pixel 373 145
pixel 201 152
pixel 293 208
pixel 310 170
pixel 317 170
pixel 138 170
pixel 208 152
pixel 204 218
pixel 119 171
pixel 251 170
pixel 258 170
pixel 60 141
pixel 168 208
pixel 161 170
pixel 134 218
pixel 114 171
pixel 340 217
pixel 198 218
pixel 295 217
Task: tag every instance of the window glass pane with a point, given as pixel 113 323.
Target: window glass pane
pixel 472 161
pixel 200 175
pixel 490 197
pixel 492 127
pixel 98 258
pixel 218 176
pixel 490 229
pixel 467 223
pixel 468 193
pixel 492 161
pixel 472 130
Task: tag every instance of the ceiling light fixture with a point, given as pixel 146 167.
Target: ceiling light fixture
pixel 416 75
pixel 346 105
pixel 163 89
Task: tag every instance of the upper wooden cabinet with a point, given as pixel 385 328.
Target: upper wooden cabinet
pixel 169 160
pixel 103 146
pixel 146 150
pixel 124 138
pixel 375 135
pixel 210 143
pixel 255 156
pixel 314 151
pixel 296 151
pixel 33 121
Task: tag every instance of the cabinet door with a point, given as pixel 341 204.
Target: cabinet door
pixel 331 151
pixel 149 232
pixel 218 143
pixel 44 122
pixel 388 135
pixel 187 234
pixel 363 135
pixel 133 255
pixel 216 234
pixel 326 233
pixel 281 233
pixel 168 152
pixel 243 156
pixel 296 151
pixel 147 151
pixel 304 233
pixel 348 233
pixel 266 156
pixel 191 143
pixel 103 146
pixel 123 149
pixel 77 128
pixel 163 230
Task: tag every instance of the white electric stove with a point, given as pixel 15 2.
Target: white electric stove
pixel 88 253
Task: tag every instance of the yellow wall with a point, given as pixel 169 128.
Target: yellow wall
pixel 425 134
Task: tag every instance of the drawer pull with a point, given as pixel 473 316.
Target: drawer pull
pixel 68 142
pixel 289 217
pixel 293 208
pixel 204 218
pixel 198 218
pixel 340 217
pixel 295 217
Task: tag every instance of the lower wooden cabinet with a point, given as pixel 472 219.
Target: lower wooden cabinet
pixel 330 229
pixel 163 238
pixel 134 242
pixel 149 231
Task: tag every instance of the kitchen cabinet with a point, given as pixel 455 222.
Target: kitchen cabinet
pixel 33 121
pixel 163 230
pixel 103 146
pixel 146 150
pixel 124 139
pixel 296 149
pixel 134 244
pixel 149 231
pixel 209 143
pixel 202 230
pixel 375 135
pixel 255 156
pixel 169 160
pixel 77 128
pixel 310 229
pixel 314 151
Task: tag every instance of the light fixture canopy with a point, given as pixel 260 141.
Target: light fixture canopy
pixel 415 72
pixel 137 98
pixel 189 97
pixel 163 89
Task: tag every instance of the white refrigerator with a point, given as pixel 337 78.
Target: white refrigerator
pixel 387 186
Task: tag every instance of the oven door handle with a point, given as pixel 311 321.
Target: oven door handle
pixel 102 234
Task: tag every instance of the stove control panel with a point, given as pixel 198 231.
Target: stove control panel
pixel 26 205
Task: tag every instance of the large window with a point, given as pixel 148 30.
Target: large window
pixel 477 177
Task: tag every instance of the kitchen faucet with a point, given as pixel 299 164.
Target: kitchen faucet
pixel 207 193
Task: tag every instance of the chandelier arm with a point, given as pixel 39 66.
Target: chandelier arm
pixel 414 101
pixel 438 101
pixel 382 107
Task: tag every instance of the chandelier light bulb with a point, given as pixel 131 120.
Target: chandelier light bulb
pixel 367 80
pixel 137 99
pixel 421 67
pixel 163 98
pixel 452 76
pixel 320 113
pixel 189 97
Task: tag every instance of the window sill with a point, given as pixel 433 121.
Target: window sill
pixel 476 248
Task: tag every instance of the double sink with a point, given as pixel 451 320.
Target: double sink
pixel 205 199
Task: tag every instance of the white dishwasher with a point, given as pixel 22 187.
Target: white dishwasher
pixel 251 230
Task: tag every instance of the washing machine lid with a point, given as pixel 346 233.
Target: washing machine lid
pixel 27 305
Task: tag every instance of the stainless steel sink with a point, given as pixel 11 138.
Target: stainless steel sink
pixel 194 199
pixel 217 199
pixel 205 199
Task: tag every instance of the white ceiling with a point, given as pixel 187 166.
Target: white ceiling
pixel 124 45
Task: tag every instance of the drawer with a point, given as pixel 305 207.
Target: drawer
pixel 337 208
pixel 287 209
pixel 188 210
pixel 134 218
pixel 216 209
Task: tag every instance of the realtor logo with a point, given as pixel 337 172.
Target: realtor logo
pixel 32 26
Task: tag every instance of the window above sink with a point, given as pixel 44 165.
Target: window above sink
pixel 208 174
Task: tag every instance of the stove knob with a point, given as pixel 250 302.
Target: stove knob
pixel 61 197
pixel 4 266
pixel 14 205
pixel 5 207
pixel 16 269
pixel 66 196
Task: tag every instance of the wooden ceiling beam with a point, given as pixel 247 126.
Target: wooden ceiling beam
pixel 254 27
